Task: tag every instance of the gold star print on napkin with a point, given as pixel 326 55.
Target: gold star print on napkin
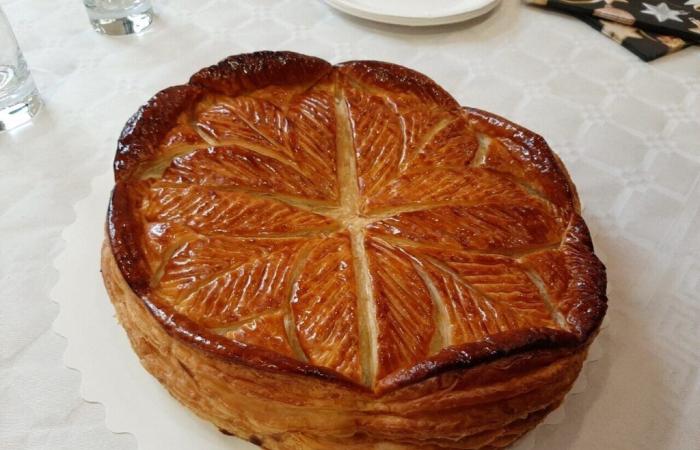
pixel 650 29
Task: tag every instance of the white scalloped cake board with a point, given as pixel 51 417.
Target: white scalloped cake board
pixel 112 374
pixel 415 12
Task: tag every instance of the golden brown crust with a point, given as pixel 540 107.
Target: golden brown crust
pixel 535 159
pixel 353 232
pixel 397 79
pixel 484 407
pixel 239 74
pixel 147 128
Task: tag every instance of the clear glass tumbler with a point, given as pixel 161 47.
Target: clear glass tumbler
pixel 19 99
pixel 118 17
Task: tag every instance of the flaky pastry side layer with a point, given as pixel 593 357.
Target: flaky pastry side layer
pixel 487 406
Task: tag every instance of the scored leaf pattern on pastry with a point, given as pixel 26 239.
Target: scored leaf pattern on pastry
pixel 351 227
pixel 324 307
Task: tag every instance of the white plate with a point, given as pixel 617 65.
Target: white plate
pixel 415 12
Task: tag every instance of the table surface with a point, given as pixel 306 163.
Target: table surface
pixel 628 131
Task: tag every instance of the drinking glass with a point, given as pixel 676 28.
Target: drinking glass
pixel 118 17
pixel 19 99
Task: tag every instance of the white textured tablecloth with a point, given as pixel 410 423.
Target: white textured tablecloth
pixel 628 131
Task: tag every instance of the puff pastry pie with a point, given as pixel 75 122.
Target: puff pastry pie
pixel 314 256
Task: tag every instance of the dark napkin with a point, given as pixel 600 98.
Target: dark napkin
pixel 646 45
pixel 650 29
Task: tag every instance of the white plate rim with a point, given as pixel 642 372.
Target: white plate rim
pixel 352 8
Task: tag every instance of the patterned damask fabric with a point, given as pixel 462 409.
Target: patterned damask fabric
pixel 650 29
